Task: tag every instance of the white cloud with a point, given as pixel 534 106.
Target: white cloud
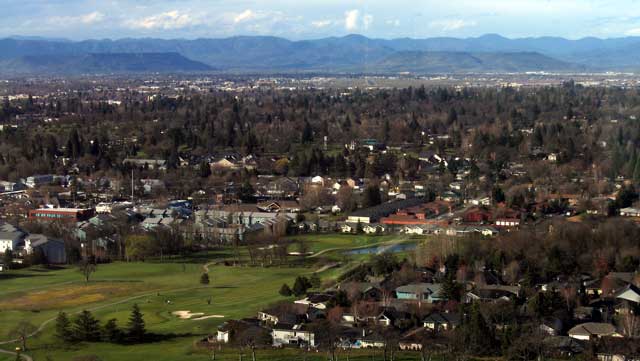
pixel 321 23
pixel 367 20
pixel 86 19
pixel 451 24
pixel 393 22
pixel 633 32
pixel 166 21
pixel 351 18
pixel 244 16
pixel 91 18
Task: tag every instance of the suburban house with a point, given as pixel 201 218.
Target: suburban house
pixel 389 316
pixel 373 229
pixel 442 321
pixel 428 292
pixel 292 335
pixel 593 330
pixel 491 293
pixel 10 237
pixel 231 328
pixel 317 300
pixel 629 293
pixel 52 249
pixel 6 186
pixel 551 326
pixel 279 206
pixel 39 180
pixel 146 163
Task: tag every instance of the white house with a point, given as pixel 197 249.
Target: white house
pixel 373 228
pixel 292 335
pixel 103 208
pixel 10 237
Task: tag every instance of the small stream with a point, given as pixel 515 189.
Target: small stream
pixel 383 249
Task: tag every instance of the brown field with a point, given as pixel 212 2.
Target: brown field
pixel 69 296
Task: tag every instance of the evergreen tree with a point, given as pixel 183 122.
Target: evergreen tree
pixel 285 290
pixel 307 133
pixel 204 279
pixel 371 196
pixel 246 191
pixel 451 289
pixel 111 332
pixel 64 332
pixel 478 335
pixel 452 116
pixel 86 327
pixel 300 286
pixel 498 195
pixel 204 170
pixel 136 326
pixel 636 171
pixel 315 281
pixel 7 258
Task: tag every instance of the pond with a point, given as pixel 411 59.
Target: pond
pixel 383 249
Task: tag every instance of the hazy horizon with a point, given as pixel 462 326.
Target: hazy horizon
pixel 191 19
pixel 54 38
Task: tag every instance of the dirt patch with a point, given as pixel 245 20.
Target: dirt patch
pixel 68 296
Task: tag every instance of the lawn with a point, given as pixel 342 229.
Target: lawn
pixel 161 289
pixel 183 350
pixel 36 295
pixel 322 242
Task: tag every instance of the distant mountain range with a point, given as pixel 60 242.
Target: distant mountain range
pixel 349 54
pixel 109 63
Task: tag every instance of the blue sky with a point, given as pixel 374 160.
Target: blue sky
pixel 303 19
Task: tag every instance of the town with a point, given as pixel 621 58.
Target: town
pixel 297 221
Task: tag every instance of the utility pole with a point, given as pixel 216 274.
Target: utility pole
pixel 132 200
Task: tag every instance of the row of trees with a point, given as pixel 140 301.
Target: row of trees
pixel 86 328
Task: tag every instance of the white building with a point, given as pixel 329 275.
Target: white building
pixel 630 212
pixel 292 335
pixel 10 237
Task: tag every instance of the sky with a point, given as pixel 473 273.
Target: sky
pixel 309 19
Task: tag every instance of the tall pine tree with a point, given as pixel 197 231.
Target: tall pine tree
pixel 136 329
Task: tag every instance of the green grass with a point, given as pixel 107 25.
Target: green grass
pixel 235 292
pixel 38 294
pixel 321 242
pixel 183 350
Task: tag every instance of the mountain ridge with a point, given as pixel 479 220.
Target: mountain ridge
pixel 353 53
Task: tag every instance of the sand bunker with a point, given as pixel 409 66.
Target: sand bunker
pixel 188 315
pixel 185 315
